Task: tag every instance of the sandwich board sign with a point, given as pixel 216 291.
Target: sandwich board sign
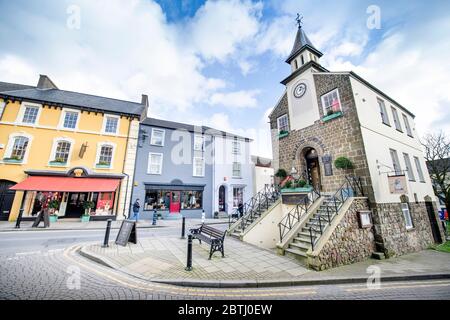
pixel 127 233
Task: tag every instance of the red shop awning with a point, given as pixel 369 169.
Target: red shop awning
pixel 67 184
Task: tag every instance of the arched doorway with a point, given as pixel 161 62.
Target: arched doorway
pixel 312 167
pixel 6 198
pixel 222 199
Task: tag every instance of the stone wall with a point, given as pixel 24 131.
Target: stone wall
pixel 348 243
pixel 391 229
pixel 338 137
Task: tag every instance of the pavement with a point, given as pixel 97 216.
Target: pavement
pixel 76 224
pixel 46 264
pixel 163 260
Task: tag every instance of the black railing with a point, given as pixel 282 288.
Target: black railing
pixel 296 214
pixel 254 206
pixel 352 187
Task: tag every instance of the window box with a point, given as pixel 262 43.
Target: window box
pixel 102 166
pixel 283 134
pixel 332 116
pixel 57 163
pixel 12 160
pixel 297 190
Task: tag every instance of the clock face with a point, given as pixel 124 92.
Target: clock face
pixel 300 90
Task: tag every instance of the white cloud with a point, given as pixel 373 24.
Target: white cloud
pixel 219 27
pixel 237 99
pixel 131 49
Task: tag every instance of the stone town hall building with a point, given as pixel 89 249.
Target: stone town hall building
pixel 324 115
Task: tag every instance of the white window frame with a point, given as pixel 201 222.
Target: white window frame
pixel 322 99
pixel 21 114
pixel 53 151
pixel 407 125
pixel 150 154
pixel 232 195
pixel 105 119
pixel 152 142
pixel 397 123
pixel 240 170
pixel 236 150
pixel 382 105
pixel 199 136
pixel 395 161
pixel 194 167
pixel 63 116
pixel 279 120
pixel 419 170
pixel 12 137
pixel 407 215
pixel 409 168
pixel 99 149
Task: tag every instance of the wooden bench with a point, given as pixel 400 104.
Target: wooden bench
pixel 211 236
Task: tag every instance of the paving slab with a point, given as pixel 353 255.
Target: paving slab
pixel 164 259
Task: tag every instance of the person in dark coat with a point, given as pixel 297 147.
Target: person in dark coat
pixel 240 209
pixel 136 207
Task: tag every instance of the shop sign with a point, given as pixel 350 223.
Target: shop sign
pixel 327 165
pixel 127 233
pixel 397 184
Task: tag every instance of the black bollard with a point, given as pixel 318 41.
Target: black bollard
pixel 19 219
pixel 108 230
pixel 189 254
pixel 183 228
pixel 154 218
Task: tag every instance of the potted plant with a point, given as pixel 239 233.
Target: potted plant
pixel 346 165
pixel 283 133
pixel 281 173
pixel 87 206
pixel 58 161
pixel 103 164
pixel 53 208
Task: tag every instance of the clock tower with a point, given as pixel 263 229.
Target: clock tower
pixel 300 89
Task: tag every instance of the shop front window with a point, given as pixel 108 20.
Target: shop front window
pixel 238 196
pixel 160 199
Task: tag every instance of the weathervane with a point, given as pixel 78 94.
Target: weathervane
pixel 299 20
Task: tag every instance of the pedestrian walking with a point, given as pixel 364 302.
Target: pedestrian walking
pixel 240 209
pixel 136 207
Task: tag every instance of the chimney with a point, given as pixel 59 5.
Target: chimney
pixel 45 83
pixel 144 102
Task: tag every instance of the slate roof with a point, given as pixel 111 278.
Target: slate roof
pixel 6 86
pixel 70 99
pixel 302 42
pixel 188 127
pixel 439 164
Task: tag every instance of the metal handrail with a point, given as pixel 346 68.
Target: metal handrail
pixel 255 204
pixel 295 215
pixel 353 187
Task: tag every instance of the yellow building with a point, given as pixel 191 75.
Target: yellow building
pixel 71 147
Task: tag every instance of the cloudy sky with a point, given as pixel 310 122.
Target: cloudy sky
pixel 220 63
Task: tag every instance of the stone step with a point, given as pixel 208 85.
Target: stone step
pixel 306 234
pixel 296 252
pixel 378 255
pixel 300 246
pixel 302 240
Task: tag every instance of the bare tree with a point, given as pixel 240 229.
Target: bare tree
pixel 437 154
